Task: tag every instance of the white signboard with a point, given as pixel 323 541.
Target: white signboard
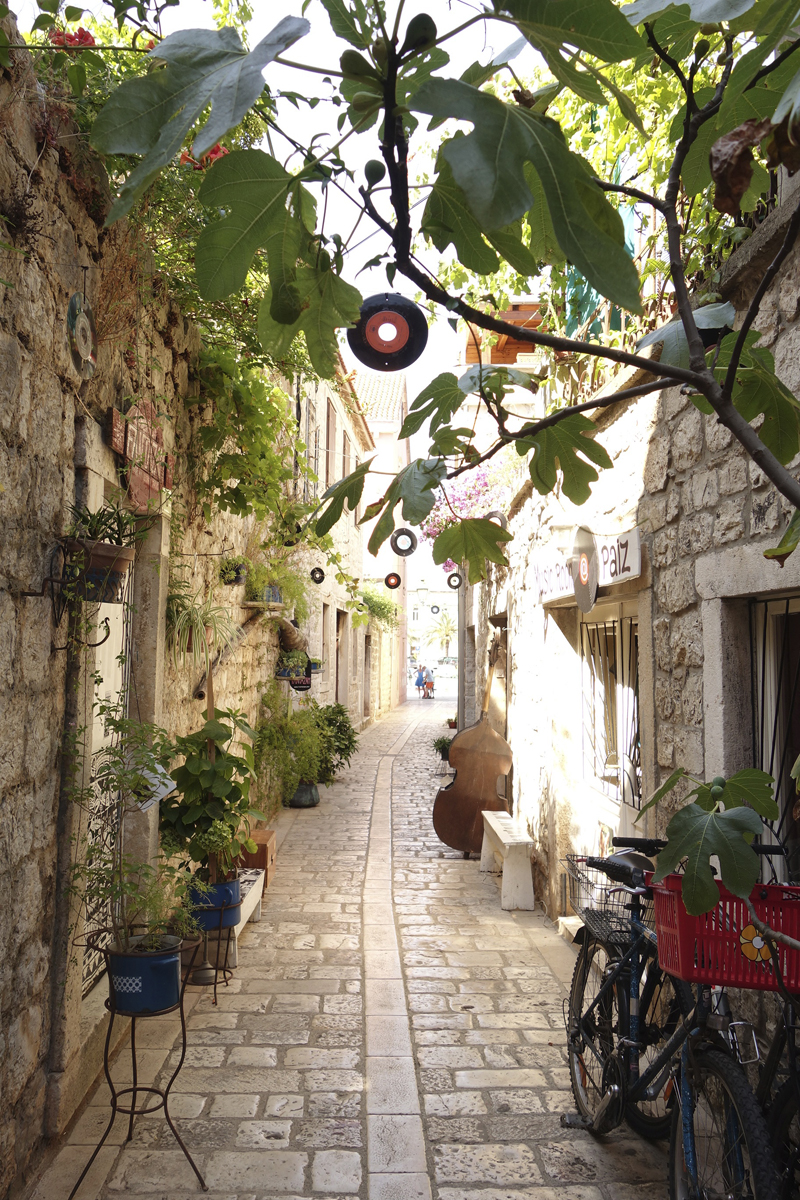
pixel 619 558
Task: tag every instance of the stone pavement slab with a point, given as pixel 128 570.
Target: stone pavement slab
pixel 390 1033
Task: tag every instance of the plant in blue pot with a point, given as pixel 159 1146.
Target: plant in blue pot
pixel 206 821
pixel 147 905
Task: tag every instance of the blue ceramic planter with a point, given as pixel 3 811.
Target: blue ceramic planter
pixel 206 910
pixel 145 981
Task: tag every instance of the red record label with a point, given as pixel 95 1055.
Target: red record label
pixel 379 322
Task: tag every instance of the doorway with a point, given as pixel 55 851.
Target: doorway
pixel 341 657
pixel 367 672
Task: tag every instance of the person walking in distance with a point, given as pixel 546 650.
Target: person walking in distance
pixel 428 675
pixel 420 680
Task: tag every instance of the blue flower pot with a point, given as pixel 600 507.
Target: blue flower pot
pixel 145 981
pixel 272 595
pixel 206 907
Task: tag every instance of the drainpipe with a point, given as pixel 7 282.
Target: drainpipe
pixel 462 647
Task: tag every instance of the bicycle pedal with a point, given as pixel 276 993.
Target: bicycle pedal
pixel 575 1121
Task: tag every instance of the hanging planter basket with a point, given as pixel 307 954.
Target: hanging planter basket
pixel 96 571
pixel 293 672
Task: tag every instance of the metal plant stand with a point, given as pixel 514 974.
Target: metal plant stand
pixel 208 972
pixel 131 1110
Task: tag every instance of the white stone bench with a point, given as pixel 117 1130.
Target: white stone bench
pixel 507 847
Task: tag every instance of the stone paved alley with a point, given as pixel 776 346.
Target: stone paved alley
pixel 390 1032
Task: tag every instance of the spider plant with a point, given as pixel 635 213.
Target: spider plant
pixel 188 618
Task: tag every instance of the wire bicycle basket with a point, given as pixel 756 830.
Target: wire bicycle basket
pixel 603 906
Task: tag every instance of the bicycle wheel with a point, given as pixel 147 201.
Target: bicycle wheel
pixel 663 1001
pixel 731 1140
pixel 785 1126
pixel 591 1039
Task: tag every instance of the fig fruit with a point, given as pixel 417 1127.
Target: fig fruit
pixel 719 781
pixel 365 102
pixel 374 172
pixel 711 27
pixel 716 793
pixel 702 48
pixel 380 51
pixel 420 34
pixel 355 66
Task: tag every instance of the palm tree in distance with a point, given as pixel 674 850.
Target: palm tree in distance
pixel 442 632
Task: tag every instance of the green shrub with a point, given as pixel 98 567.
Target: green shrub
pixel 382 608
pixel 288 745
pixel 280 575
pixel 230 567
pixel 339 738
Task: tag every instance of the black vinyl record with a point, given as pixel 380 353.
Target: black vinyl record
pixel 317 574
pixel 403 542
pixel 392 581
pixel 81 336
pixel 584 569
pixel 454 581
pixel 391 333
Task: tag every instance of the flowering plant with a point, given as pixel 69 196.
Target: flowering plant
pixel 470 495
pixel 80 39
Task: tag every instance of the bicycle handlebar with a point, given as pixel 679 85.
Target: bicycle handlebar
pixel 620 872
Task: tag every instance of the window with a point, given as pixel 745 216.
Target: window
pixel 330 446
pixel 775 629
pixel 345 455
pixel 610 668
pixel 415 614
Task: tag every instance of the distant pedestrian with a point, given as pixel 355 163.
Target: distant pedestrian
pixel 428 685
pixel 419 681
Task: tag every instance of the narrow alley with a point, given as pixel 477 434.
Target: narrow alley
pixel 389 1032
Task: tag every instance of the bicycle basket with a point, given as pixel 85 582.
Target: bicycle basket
pixel 600 903
pixel 723 946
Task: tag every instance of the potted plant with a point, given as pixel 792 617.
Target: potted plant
pixel 148 904
pixel 452 722
pixel 195 626
pixel 443 744
pixel 316 666
pixel 234 570
pixel 291 664
pixel 303 748
pixel 100 548
pixel 207 819
pixel 338 738
pixel 277 582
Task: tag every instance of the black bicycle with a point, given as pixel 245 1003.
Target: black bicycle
pixel 643 1048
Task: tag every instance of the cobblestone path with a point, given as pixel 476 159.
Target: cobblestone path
pixel 390 1032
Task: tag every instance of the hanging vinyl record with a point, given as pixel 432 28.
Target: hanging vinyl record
pixel 584 569
pixel 454 581
pixel 392 581
pixel 82 336
pixel 317 574
pixel 391 333
pixel 403 542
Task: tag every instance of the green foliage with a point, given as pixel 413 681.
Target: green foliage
pixel 338 739
pixel 381 606
pixel 229 568
pixel 112 522
pixel 288 746
pixel 151 116
pixel 242 453
pixel 208 817
pixel 472 541
pixel 789 542
pixel 292 658
pixel 280 573
pixel 442 744
pixel 188 618
pixel 721 822
pixel 535 197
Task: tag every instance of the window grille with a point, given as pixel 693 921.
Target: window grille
pixel 611 747
pixel 104 811
pixel 775 639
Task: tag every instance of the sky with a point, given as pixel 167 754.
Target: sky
pixel 321 49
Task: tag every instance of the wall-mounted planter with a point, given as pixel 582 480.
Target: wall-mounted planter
pixel 316 666
pixel 96 571
pixel 296 672
pixel 272 595
pixel 240 576
pixel 306 796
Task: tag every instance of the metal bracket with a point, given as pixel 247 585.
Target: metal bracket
pixel 88 645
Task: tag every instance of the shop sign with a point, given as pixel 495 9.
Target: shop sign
pixel 619 558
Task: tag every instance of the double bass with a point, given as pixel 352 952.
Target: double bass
pixel 479 755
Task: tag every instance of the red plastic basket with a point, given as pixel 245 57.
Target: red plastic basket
pixel 722 946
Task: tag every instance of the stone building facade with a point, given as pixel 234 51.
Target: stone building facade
pixel 691 658
pixel 57 449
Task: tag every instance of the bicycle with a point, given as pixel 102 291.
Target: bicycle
pixel 643 1048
